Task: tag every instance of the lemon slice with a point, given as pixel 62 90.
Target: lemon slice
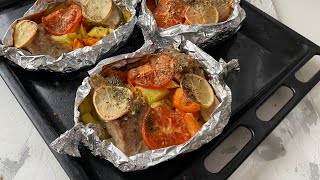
pixel 224 8
pixel 201 13
pixel 200 89
pixel 111 102
pixel 24 31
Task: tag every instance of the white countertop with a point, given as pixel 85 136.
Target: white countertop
pixel 291 151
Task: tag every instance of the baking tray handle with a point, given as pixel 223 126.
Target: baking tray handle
pixel 255 124
pixel 259 129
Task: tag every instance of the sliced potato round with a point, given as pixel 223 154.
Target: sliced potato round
pixel 201 13
pixel 111 102
pixel 102 12
pixel 200 88
pixel 24 31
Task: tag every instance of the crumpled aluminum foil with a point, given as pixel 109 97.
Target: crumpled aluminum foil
pixel 201 35
pixel 73 60
pixel 87 134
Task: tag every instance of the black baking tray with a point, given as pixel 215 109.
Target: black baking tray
pixel 269 53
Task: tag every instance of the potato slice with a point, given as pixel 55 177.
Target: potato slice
pixel 87 118
pixel 102 13
pixel 85 107
pixel 24 31
pixel 152 95
pixel 164 102
pixel 64 39
pixel 28 35
pixel 73 36
pixel 126 14
pixel 111 102
pixel 99 32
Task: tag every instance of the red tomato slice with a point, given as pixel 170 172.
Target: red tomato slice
pixel 169 13
pixel 156 74
pixel 163 127
pixel 63 21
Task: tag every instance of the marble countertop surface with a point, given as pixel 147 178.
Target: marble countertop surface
pixel 290 152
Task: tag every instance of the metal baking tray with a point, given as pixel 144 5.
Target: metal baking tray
pixel 269 53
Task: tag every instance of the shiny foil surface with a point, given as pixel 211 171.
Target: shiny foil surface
pixel 73 60
pixel 68 142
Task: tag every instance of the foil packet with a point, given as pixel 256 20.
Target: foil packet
pixel 200 34
pixel 73 60
pixel 87 135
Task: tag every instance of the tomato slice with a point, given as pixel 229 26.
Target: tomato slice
pixel 163 127
pixel 169 13
pixel 63 21
pixel 156 74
